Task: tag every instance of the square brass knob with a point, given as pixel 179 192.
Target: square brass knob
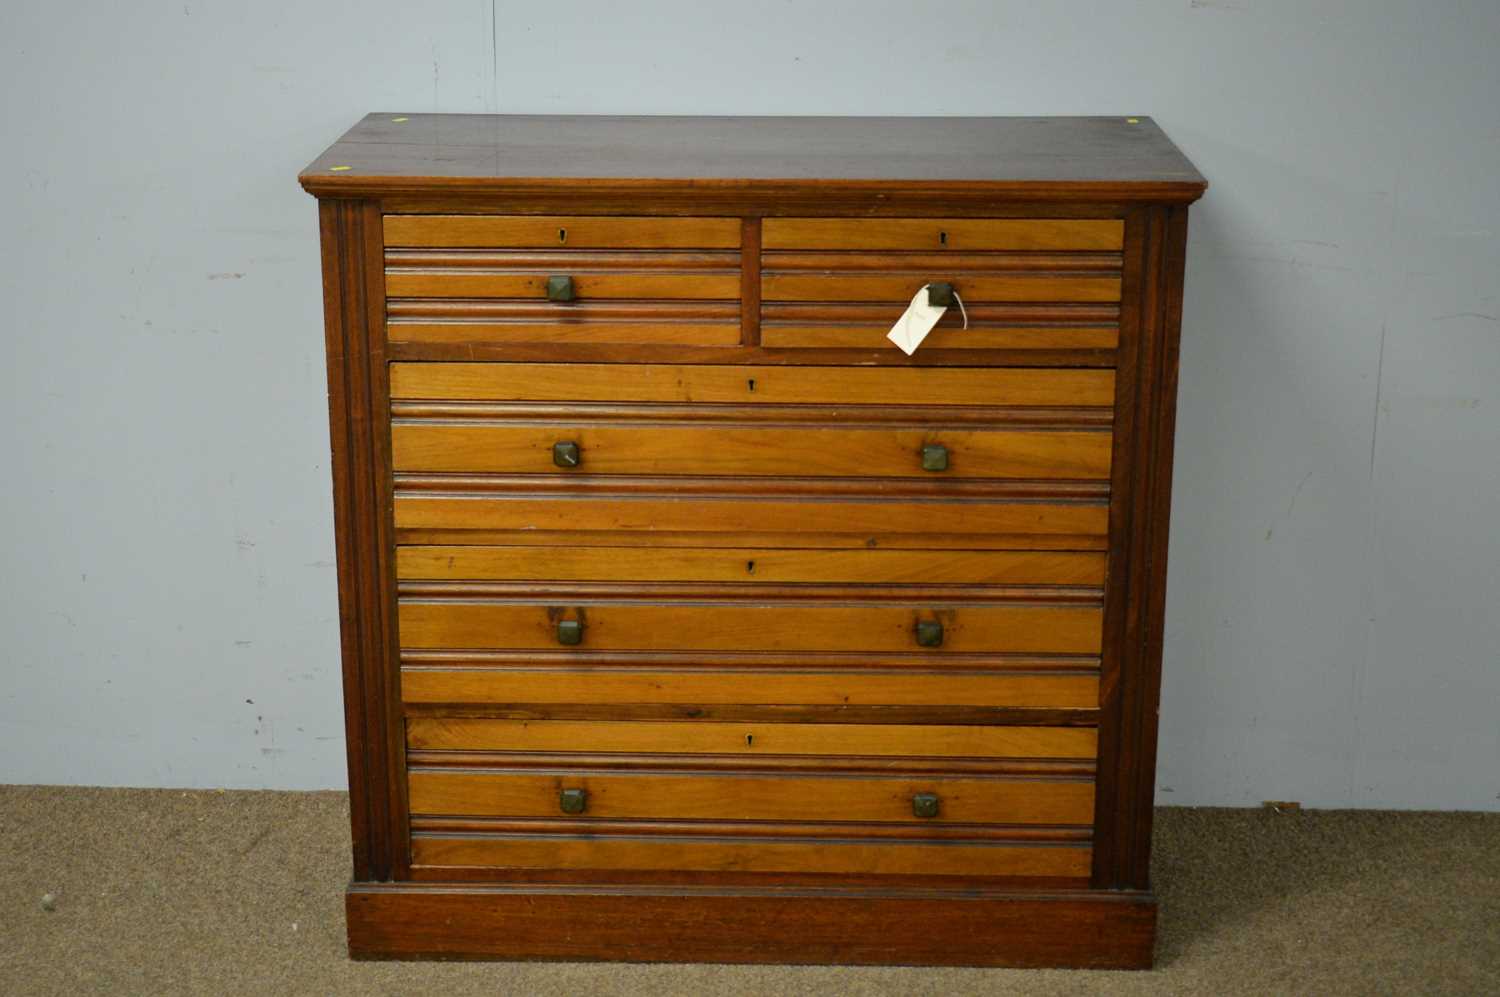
pixel 570 631
pixel 575 801
pixel 924 805
pixel 940 294
pixel 929 633
pixel 566 454
pixel 561 288
pixel 934 457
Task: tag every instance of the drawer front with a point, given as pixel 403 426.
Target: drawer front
pixel 444 678
pixel 689 448
pixel 787 855
pixel 731 626
pixel 866 799
pixel 495 279
pixel 430 514
pixel 754 385
pixel 749 740
pixel 745 796
pixel 758 565
pixel 1025 283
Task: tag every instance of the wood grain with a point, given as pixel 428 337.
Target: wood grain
pixel 468 734
pixel 751 796
pixel 869 519
pixel 768 565
pixel 561 231
pixel 845 687
pixel 899 288
pixel 939 234
pixel 678 449
pixel 473 284
pixel 949 858
pixel 731 626
pixel 750 385
pixel 862 925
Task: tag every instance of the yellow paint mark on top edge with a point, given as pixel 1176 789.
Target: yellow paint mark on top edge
pixel 398 120
pixel 1132 121
pixel 339 169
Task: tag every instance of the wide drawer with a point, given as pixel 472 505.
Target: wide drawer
pixel 750 796
pixel 749 740
pixel 1025 283
pixel 936 629
pixel 514 279
pixel 697 448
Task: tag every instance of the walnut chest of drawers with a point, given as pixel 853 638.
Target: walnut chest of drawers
pixel 684 616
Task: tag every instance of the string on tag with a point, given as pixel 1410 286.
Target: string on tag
pixel 961 309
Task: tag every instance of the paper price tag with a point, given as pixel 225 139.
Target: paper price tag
pixel 915 323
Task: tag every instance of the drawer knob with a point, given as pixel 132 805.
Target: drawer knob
pixel 924 804
pixel 929 633
pixel 576 801
pixel 570 632
pixel 940 294
pixel 566 454
pixel 560 288
pixel 934 457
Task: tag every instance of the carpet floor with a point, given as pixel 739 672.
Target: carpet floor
pixel 167 892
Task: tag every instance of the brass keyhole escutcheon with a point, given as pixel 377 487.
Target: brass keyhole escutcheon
pixel 562 235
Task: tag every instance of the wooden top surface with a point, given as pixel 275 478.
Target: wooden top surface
pixel 1093 158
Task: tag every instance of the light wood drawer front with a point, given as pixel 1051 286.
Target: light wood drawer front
pixel 945 234
pixel 611 794
pixel 716 854
pixel 758 565
pixel 492 280
pixel 1050 284
pixel 841 683
pixel 750 739
pixel 752 384
pixel 968 523
pixel 688 449
pixel 732 626
pixel 560 232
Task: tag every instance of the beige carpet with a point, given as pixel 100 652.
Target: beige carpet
pixel 161 891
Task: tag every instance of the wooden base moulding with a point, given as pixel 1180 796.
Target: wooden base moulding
pixel 969 927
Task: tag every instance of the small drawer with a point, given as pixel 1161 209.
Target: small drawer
pixel 750 796
pixel 1024 283
pixel 507 279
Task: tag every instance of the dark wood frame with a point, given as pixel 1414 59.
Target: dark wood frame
pixel 1109 925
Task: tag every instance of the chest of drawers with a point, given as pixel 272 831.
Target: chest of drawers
pixel 685 617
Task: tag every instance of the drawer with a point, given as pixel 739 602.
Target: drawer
pixel 749 740
pixel 695 448
pixel 753 385
pixel 1025 283
pixel 498 279
pixel 949 855
pixel 757 565
pixel 442 511
pixel 609 794
pixel 485 679
pixel 934 630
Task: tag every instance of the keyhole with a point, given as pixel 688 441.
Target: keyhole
pixel 751 382
pixel 749 740
pixel 943 238
pixel 750 567
pixel 562 235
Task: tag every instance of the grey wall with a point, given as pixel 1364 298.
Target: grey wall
pixel 168 611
